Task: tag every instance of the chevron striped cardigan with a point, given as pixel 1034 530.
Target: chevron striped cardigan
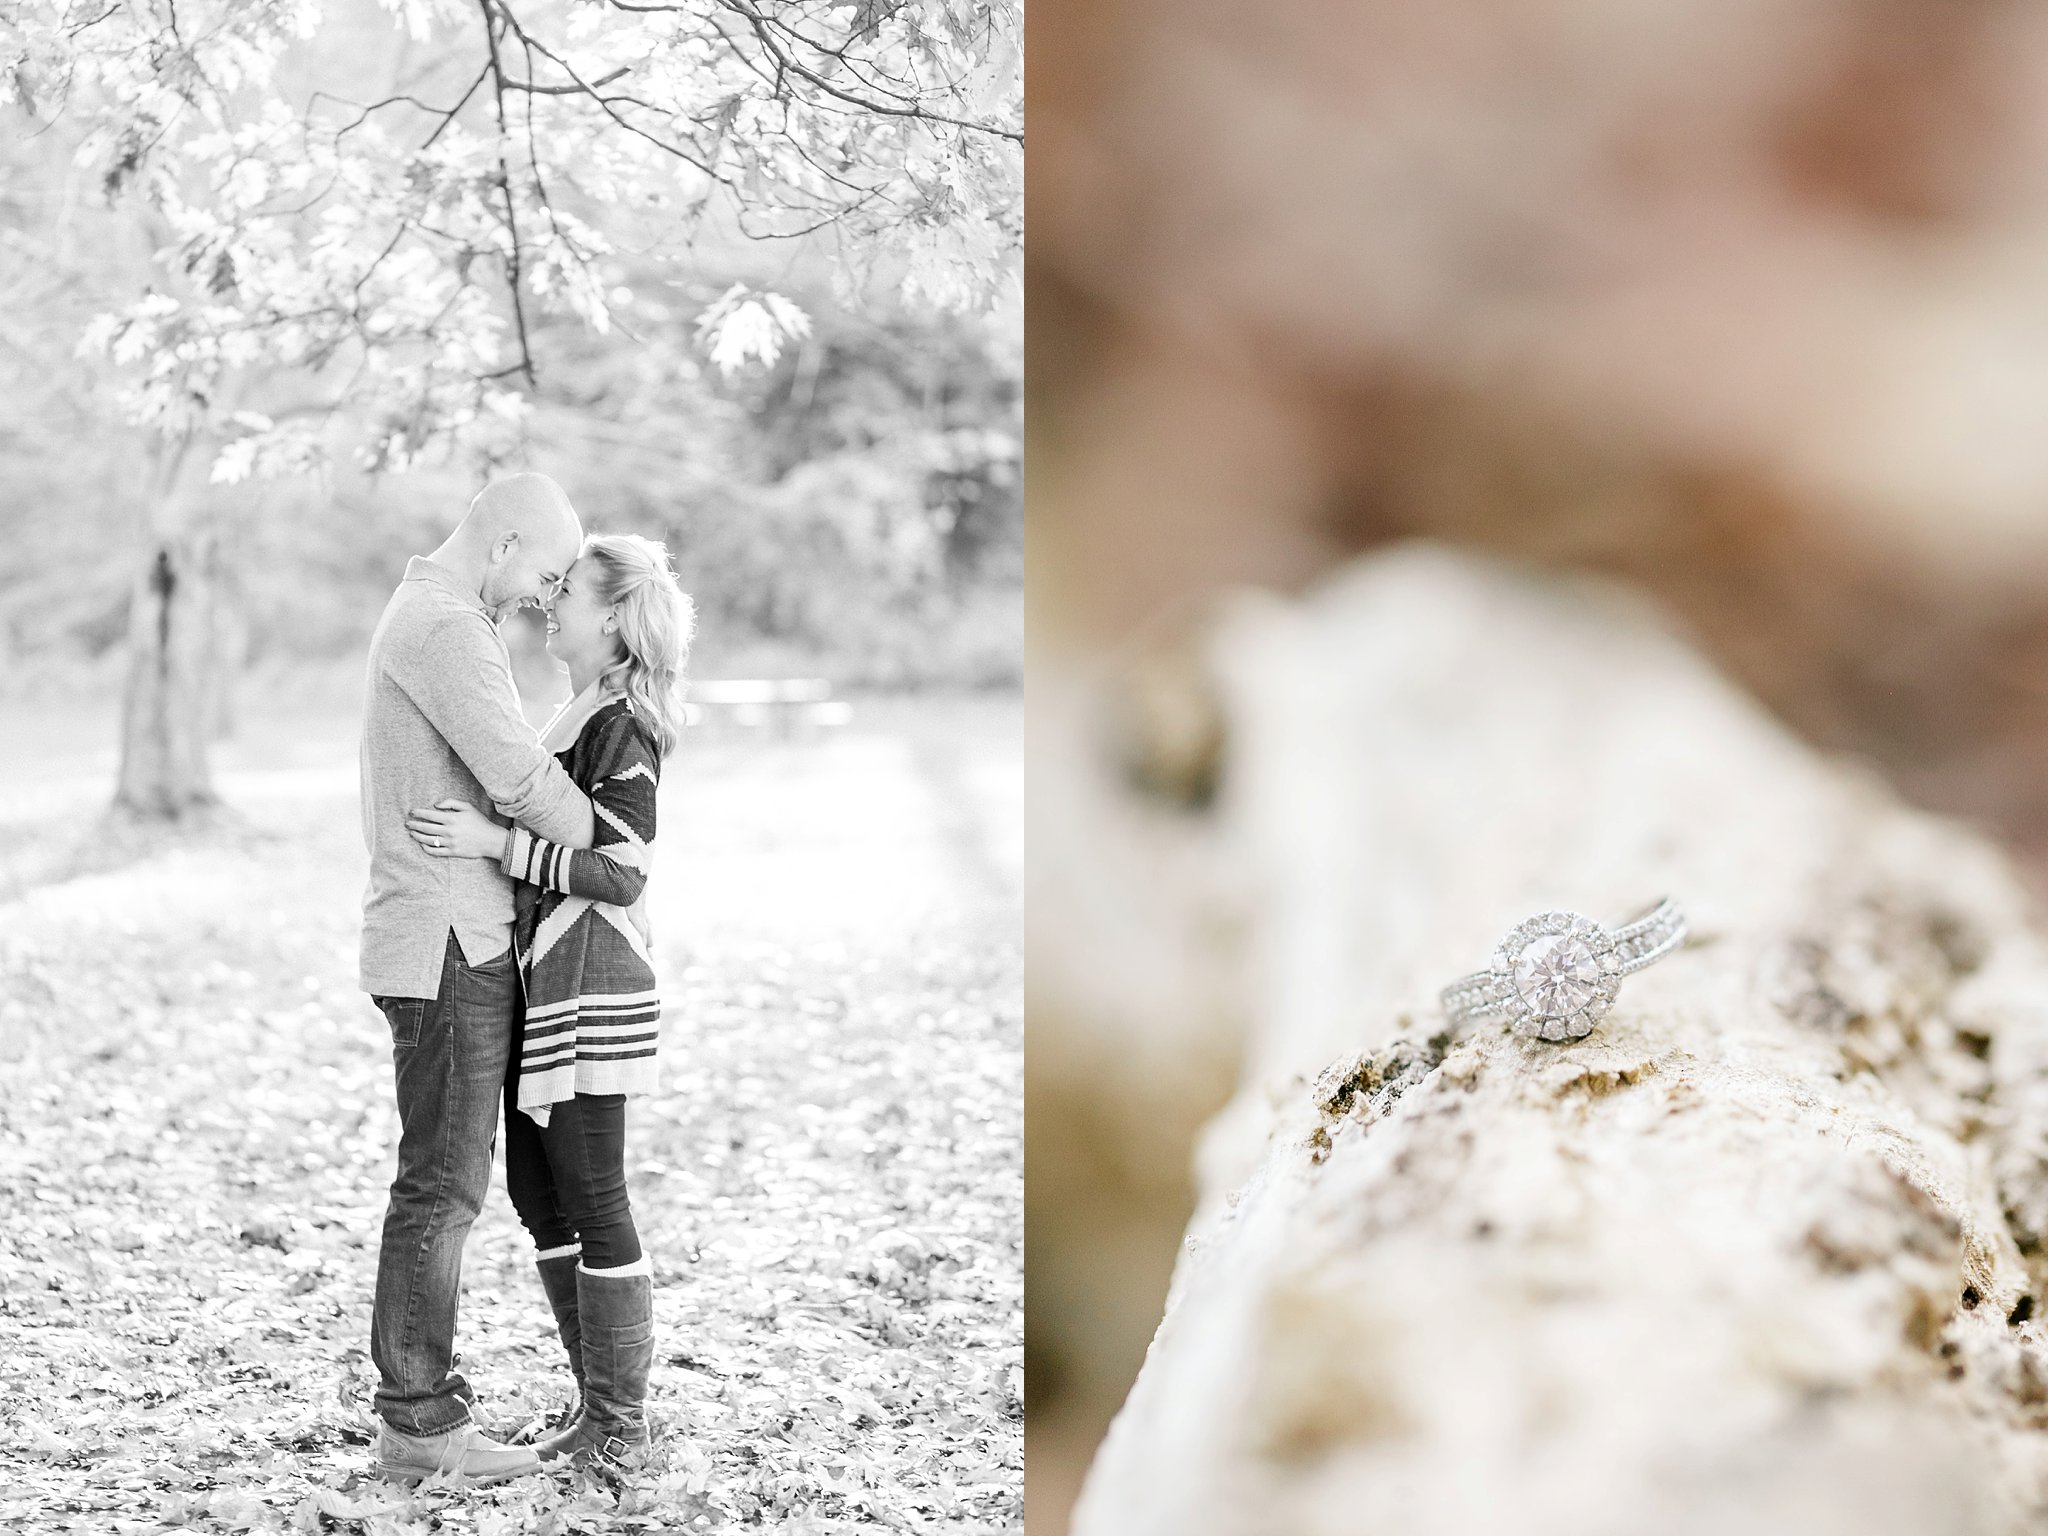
pixel 592 1007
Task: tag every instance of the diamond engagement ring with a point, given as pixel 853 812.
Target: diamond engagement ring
pixel 1555 976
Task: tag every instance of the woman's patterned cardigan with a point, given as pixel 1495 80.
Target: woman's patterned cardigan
pixel 592 1009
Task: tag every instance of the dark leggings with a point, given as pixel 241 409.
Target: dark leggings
pixel 567 1178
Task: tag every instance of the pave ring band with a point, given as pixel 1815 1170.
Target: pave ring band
pixel 1556 974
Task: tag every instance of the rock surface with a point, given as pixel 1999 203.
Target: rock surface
pixel 1761 1253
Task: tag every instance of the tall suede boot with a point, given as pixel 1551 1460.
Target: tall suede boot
pixel 558 1280
pixel 616 1310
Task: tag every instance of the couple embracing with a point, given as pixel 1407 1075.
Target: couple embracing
pixel 506 943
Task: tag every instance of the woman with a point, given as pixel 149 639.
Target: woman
pixel 622 626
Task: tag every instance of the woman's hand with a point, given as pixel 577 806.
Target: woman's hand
pixel 455 829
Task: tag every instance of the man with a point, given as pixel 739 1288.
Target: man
pixel 441 720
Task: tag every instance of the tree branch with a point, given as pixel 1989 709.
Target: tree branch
pixel 785 64
pixel 588 89
pixel 540 186
pixel 449 116
pixel 566 90
pixel 783 60
pixel 846 57
pixel 497 71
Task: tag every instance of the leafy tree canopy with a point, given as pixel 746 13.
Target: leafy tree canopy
pixel 371 211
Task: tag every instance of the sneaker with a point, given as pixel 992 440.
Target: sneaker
pixel 463 1454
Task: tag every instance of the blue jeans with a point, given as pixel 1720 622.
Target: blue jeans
pixel 449 1053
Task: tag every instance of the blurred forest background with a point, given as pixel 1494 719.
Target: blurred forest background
pixel 853 512
pixel 1738 304
pixel 821 419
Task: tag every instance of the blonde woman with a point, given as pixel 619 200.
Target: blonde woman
pixel 621 624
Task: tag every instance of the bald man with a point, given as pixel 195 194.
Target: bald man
pixel 442 720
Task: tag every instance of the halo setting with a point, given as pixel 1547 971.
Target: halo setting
pixel 1556 974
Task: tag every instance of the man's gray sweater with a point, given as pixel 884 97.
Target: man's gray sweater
pixel 441 719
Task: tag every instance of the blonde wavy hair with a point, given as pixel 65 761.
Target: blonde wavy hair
pixel 656 622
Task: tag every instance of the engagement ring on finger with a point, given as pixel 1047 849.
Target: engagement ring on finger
pixel 1556 974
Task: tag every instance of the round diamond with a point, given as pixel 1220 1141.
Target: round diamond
pixel 1557 974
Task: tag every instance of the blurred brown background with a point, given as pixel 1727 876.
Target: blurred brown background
pixel 1745 304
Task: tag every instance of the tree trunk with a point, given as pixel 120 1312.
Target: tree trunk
pixel 169 700
pixel 1760 1254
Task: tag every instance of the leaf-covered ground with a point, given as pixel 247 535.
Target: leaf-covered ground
pixel 196 1133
